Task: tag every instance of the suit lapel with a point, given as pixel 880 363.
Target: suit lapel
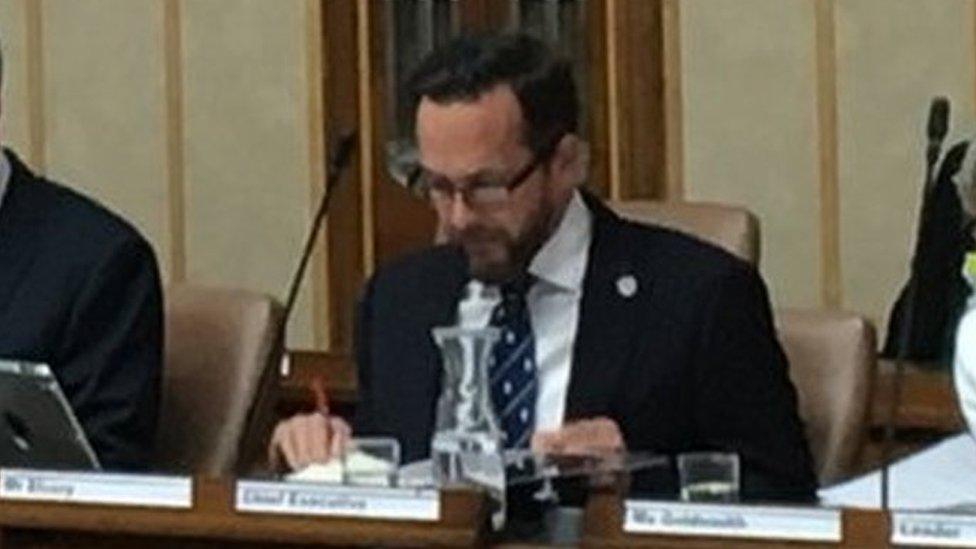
pixel 440 305
pixel 605 334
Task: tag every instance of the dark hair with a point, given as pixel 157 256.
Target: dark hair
pixel 469 66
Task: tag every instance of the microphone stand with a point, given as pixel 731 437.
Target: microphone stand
pixel 936 132
pixel 337 164
pixel 259 416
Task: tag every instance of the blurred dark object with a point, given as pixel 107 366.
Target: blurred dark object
pixel 922 323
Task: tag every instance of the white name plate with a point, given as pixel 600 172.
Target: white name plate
pixel 97 488
pixel 735 521
pixel 933 529
pixel 300 498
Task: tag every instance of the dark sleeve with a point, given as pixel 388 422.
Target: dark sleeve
pixel 746 402
pixel 112 355
pixel 363 421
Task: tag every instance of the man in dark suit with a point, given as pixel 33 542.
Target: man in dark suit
pixel 630 336
pixel 79 291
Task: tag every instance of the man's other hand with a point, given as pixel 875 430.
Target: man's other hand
pixel 307 438
pixel 597 436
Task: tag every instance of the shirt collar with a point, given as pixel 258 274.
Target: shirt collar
pixel 4 175
pixel 562 259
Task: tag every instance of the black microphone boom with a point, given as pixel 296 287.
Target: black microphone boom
pixel 261 416
pixel 904 333
pixel 938 125
pixel 337 164
pixel 936 130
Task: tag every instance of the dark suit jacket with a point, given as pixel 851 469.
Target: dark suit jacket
pixel 79 290
pixel 689 362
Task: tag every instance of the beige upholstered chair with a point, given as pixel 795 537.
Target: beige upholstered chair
pixel 833 361
pixel 729 227
pixel 831 353
pixel 218 348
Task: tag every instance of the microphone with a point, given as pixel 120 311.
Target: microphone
pixel 260 418
pixel 938 125
pixel 338 161
pixel 936 130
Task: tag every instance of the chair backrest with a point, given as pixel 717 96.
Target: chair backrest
pixel 833 358
pixel 218 349
pixel 832 354
pixel 731 228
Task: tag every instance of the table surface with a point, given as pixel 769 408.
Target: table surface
pixel 604 516
pixel 940 477
pixel 463 516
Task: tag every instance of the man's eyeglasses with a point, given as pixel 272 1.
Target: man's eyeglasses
pixel 479 193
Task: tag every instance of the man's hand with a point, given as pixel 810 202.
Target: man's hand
pixel 597 436
pixel 307 438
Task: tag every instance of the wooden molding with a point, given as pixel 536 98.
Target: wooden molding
pixel 637 72
pixel 368 13
pixel 826 77
pixel 344 258
pixel 596 96
pixel 175 138
pixel 315 113
pixel 36 115
pixel 403 223
pixel 484 15
pixel 927 399
pixel 673 102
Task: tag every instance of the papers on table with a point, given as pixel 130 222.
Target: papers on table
pixel 356 485
pixel 931 494
pixel 356 468
pixel 937 478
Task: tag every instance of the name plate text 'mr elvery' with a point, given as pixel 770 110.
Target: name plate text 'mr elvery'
pixel 734 521
pixel 97 488
pixel 301 498
pixel 933 529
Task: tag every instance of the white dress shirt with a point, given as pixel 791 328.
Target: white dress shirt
pixel 965 367
pixel 4 175
pixel 554 303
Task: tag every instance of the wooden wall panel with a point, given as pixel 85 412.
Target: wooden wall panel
pixel 888 70
pixel 484 15
pixel 750 128
pixel 595 94
pixel 103 102
pixel 400 222
pixel 638 34
pixel 247 177
pixel 344 263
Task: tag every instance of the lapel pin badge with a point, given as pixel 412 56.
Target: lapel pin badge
pixel 627 286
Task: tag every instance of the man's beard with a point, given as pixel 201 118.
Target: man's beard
pixel 495 256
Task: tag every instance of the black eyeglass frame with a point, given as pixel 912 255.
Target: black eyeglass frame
pixel 538 158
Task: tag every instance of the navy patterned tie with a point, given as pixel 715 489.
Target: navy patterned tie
pixel 512 370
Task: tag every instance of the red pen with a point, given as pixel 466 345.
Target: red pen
pixel 321 399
